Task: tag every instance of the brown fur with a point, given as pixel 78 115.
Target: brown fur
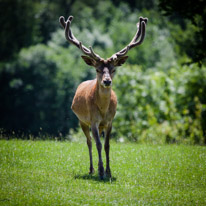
pixel 94 104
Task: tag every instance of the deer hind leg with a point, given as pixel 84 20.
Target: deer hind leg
pixel 95 132
pixel 85 129
pixel 106 148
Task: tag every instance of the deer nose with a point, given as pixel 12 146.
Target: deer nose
pixel 107 82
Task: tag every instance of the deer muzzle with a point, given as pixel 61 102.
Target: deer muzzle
pixel 107 82
pixel 106 79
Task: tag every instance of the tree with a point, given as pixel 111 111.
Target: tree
pixel 193 10
pixel 36 94
pixel 17 30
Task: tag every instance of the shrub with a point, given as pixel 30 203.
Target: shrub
pixel 161 107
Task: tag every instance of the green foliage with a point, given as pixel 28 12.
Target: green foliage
pixel 159 101
pixel 159 107
pixel 196 13
pixel 56 173
pixel 17 31
pixel 40 93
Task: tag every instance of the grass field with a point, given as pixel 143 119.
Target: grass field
pixel 56 173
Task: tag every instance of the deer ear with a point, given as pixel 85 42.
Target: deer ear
pixel 89 61
pixel 120 60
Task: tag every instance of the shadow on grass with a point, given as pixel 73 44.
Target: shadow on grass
pixel 95 178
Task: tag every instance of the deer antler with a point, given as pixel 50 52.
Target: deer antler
pixel 136 41
pixel 71 38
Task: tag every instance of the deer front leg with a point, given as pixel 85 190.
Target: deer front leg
pixel 85 129
pixel 95 132
pixel 106 148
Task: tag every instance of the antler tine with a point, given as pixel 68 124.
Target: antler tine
pixel 71 38
pixel 137 40
pixel 134 42
pixel 94 54
pixel 62 21
pixel 141 19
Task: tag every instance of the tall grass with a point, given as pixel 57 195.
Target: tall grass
pixel 56 173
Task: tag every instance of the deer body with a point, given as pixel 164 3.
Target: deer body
pixel 95 107
pixel 95 102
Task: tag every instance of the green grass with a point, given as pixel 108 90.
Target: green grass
pixel 56 173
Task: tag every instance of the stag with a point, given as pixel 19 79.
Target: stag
pixel 95 102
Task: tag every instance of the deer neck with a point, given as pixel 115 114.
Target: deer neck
pixel 103 96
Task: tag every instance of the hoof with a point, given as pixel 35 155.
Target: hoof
pixel 101 177
pixel 101 172
pixel 108 173
pixel 91 171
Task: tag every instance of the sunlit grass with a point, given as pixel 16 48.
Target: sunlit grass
pixel 56 173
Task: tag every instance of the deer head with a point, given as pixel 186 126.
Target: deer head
pixel 105 68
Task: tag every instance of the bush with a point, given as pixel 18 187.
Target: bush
pixel 161 107
pixel 36 92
